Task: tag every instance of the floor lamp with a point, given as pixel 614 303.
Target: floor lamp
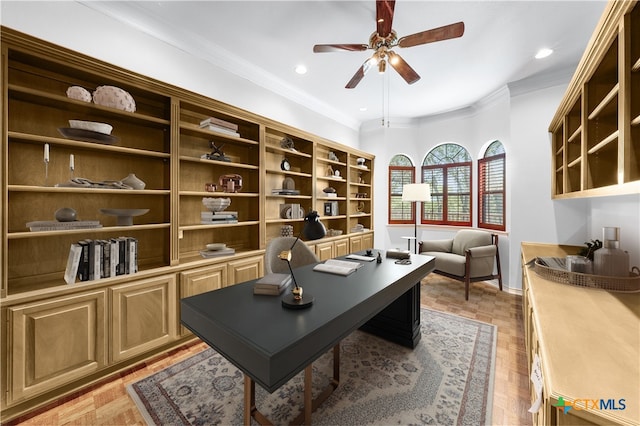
pixel 415 192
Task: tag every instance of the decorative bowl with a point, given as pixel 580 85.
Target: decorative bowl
pixel 216 204
pixel 114 97
pixel 93 126
pixel 124 216
pixel 79 93
pixel 216 246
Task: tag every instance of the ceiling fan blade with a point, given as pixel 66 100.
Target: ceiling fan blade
pixel 384 16
pixel 402 67
pixel 359 75
pixel 320 48
pixel 435 34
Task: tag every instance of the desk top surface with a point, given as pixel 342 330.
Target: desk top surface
pixel 269 342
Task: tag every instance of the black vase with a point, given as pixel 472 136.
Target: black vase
pixel 313 228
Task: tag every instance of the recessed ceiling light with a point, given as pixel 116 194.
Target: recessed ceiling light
pixel 301 69
pixel 543 53
pixel 363 109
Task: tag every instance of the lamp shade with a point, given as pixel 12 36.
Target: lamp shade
pixel 416 192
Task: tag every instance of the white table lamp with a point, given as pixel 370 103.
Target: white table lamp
pixel 416 192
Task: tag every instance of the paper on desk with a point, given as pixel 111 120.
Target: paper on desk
pixel 361 257
pixel 536 379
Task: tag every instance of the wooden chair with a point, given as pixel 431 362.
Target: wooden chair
pixel 467 257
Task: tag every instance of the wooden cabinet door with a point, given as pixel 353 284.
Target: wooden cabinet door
pixel 143 316
pixel 55 342
pixel 200 281
pixel 341 247
pixel 247 269
pixel 325 250
pixel 367 241
pixel 355 243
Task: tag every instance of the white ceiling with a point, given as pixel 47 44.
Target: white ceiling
pixel 263 41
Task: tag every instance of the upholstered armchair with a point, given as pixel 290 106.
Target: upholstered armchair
pixel 470 256
pixel 301 255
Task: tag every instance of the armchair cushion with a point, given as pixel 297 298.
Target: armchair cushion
pixel 437 245
pixel 468 238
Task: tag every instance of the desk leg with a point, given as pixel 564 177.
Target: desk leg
pixel 310 404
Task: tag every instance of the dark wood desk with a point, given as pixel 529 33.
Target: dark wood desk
pixel 271 344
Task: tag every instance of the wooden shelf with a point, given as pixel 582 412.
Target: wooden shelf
pixel 605 102
pixel 603 143
pixel 575 162
pixel 636 66
pixel 575 135
pixel 220 163
pixel 194 130
pixel 221 225
pixel 103 230
pixel 289 173
pixel 283 151
pixel 37 139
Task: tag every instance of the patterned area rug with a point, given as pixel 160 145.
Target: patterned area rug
pixel 447 379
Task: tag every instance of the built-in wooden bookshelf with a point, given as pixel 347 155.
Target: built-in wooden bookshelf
pixel 62 337
pixel 596 130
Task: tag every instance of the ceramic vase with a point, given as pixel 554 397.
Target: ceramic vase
pixel 134 182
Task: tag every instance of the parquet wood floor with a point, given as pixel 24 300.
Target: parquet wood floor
pixel 108 403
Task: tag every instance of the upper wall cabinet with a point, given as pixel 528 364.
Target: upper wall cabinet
pixel 596 130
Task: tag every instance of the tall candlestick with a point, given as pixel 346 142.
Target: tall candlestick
pixel 72 165
pixel 46 164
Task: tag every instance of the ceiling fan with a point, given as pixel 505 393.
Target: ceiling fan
pixel 385 38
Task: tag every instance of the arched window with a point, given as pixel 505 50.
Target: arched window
pixel 401 172
pixel 447 168
pixel 491 188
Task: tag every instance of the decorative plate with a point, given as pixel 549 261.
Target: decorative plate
pixel 87 135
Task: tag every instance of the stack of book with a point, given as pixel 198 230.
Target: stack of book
pixel 54 225
pixel 216 218
pixel 272 284
pixel 220 126
pixel 94 259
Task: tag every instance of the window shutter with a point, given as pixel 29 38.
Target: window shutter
pixel 491 192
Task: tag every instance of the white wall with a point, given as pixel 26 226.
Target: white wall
pixel 82 29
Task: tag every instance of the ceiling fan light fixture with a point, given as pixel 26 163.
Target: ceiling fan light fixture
pixel 301 69
pixel 382 66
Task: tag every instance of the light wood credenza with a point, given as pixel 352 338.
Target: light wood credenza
pixel 588 342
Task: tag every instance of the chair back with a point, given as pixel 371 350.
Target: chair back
pixel 469 238
pixel 301 255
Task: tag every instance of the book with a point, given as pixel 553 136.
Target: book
pixel 273 280
pixel 337 267
pixel 218 122
pixel 218 217
pixel 75 252
pixel 105 270
pixel 220 129
pixel 97 259
pixel 218 222
pixel 53 225
pixel 133 255
pixel 271 291
pixel 115 257
pixel 83 267
pixel 218 214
